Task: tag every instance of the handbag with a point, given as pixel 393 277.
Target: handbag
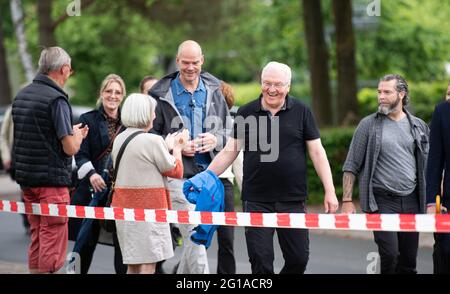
pixel 106 224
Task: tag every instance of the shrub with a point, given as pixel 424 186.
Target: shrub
pixel 336 142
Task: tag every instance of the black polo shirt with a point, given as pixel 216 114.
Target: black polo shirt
pixel 275 172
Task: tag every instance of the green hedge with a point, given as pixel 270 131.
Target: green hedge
pixel 424 96
pixel 336 142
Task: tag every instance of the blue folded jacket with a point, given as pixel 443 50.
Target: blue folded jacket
pixel 206 191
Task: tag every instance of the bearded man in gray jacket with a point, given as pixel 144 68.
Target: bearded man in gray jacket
pixel 389 153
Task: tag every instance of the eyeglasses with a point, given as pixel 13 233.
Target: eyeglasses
pixel 72 72
pixel 277 86
pixel 113 92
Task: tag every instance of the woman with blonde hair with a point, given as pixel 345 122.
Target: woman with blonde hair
pixel 141 182
pixel 94 164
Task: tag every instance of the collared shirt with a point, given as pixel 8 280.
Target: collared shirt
pixel 270 113
pixel 275 150
pixel 365 148
pixel 192 108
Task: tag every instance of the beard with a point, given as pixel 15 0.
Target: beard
pixel 389 108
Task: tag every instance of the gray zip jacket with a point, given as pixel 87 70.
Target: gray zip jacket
pixel 364 151
pixel 168 119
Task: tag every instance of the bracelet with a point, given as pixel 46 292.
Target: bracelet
pixel 90 173
pixel 343 201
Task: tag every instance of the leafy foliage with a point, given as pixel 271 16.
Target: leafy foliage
pixel 412 39
pixel 115 41
pixel 336 142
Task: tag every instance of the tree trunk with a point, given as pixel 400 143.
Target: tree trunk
pixel 347 102
pixel 46 29
pixel 318 62
pixel 5 89
pixel 25 57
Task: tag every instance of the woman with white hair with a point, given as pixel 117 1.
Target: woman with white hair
pixel 141 183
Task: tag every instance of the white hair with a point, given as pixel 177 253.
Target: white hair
pixel 279 67
pixel 138 111
pixel 52 59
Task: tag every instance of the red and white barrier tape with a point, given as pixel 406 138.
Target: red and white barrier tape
pixel 360 222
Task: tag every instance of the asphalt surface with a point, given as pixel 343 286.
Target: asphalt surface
pixel 331 252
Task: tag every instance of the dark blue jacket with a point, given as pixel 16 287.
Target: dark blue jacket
pixel 97 139
pixel 207 192
pixel 439 156
pixel 92 147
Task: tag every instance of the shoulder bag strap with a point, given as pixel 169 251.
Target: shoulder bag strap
pixel 119 155
pixel 110 144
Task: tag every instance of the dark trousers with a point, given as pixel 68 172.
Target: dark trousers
pixel 398 250
pixel 81 197
pixel 226 263
pixel 88 249
pixel 441 253
pixel 294 243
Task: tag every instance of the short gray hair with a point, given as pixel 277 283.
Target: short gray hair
pixel 400 86
pixel 138 111
pixel 52 59
pixel 284 68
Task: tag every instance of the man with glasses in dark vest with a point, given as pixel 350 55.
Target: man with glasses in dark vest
pixel 44 143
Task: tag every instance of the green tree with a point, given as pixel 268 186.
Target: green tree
pixel 5 89
pixel 107 38
pixel 261 32
pixel 347 102
pixel 412 39
pixel 318 62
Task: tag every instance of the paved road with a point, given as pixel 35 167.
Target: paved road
pixel 329 254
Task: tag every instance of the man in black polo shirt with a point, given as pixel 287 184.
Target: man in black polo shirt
pixel 275 132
